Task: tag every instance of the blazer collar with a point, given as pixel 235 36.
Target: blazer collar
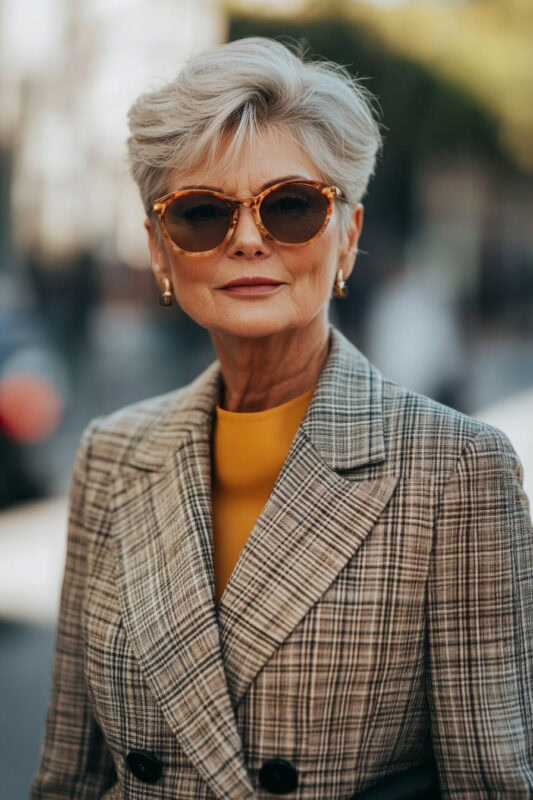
pixel 198 659
pixel 344 420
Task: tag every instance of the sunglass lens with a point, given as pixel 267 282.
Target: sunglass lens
pixel 198 222
pixel 294 213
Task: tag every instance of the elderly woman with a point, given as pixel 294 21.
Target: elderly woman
pixel 292 576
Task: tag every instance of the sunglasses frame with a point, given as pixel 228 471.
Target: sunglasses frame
pixel 254 203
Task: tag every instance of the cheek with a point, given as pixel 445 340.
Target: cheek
pixel 318 264
pixel 191 274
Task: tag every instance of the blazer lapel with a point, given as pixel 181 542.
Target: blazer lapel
pixel 162 528
pixel 319 513
pixel 312 524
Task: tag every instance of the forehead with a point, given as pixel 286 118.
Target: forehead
pixel 272 155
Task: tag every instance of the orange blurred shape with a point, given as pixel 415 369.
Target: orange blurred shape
pixel 31 407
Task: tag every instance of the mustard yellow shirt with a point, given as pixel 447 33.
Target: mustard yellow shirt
pixel 249 449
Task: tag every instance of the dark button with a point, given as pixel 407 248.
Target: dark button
pixel 144 765
pixel 278 776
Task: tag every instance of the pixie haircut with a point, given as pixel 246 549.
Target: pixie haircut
pixel 226 95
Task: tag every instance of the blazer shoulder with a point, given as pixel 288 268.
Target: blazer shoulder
pixel 110 438
pixel 437 432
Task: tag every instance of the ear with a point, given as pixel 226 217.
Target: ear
pixel 348 250
pixel 158 257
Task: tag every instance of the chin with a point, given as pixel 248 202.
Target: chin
pixel 253 328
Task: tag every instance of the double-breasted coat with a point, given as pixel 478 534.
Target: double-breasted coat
pixel 379 615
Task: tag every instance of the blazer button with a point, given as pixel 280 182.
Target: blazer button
pixel 144 765
pixel 278 776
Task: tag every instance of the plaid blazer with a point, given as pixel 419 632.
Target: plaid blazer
pixel 381 610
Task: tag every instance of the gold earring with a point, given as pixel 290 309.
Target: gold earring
pixel 341 289
pixel 165 298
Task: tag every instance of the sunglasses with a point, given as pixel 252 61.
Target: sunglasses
pixel 200 221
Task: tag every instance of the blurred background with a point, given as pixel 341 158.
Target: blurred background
pixel 441 299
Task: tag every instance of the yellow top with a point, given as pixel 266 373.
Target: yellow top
pixel 249 449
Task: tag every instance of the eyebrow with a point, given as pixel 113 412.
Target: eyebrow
pixel 261 188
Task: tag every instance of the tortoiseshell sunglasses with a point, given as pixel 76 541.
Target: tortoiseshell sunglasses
pixel 198 222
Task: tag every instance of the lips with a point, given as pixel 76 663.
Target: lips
pixel 254 281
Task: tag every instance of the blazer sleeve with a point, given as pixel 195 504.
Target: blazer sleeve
pixel 74 761
pixel 480 626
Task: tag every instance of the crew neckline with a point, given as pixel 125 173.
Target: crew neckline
pixel 258 416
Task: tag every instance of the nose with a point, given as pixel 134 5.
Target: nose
pixel 247 240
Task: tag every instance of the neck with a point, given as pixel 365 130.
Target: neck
pixel 260 373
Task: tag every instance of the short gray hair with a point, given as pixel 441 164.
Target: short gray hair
pixel 240 87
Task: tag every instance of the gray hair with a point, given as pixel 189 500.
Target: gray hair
pixel 240 87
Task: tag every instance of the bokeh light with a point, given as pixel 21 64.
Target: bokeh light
pixel 31 408
pixel 34 392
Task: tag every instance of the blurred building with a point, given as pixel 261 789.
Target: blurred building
pixel 71 233
pixel 67 80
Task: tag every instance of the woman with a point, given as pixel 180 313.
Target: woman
pixel 292 576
